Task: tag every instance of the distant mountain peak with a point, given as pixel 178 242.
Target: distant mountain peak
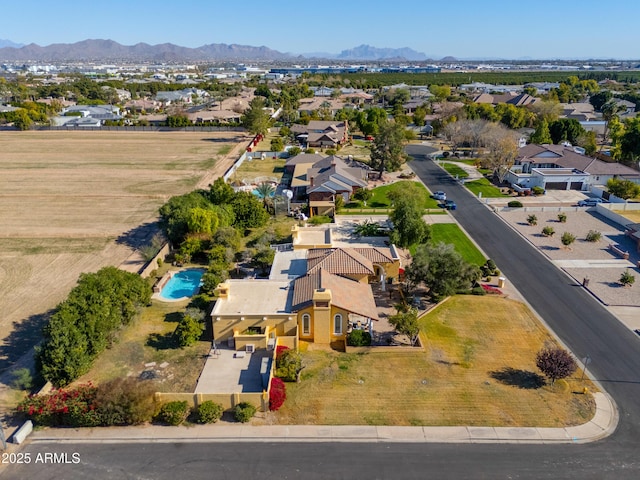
pixel 367 52
pixel 10 44
pixel 106 49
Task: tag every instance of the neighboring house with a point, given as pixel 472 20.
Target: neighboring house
pixel 559 167
pixel 322 91
pixel 519 100
pixel 542 88
pixel 583 112
pixel 310 105
pixel 322 134
pixel 181 96
pixel 142 105
pixel 321 305
pixel 488 88
pixel 87 115
pixel 325 180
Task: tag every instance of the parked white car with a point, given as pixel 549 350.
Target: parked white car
pixel 440 195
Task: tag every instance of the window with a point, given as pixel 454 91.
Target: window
pixel 306 324
pixel 337 324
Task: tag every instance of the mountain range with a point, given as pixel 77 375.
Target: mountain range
pixel 109 50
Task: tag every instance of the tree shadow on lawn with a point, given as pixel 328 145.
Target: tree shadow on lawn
pixel 518 378
pixel 139 236
pixel 26 335
pixel 162 341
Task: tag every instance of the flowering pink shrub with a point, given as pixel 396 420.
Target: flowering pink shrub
pixel 74 407
pixel 280 349
pixel 277 394
pixel 491 290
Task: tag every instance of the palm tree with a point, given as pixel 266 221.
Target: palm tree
pixel 265 191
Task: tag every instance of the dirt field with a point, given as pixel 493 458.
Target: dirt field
pixel 73 202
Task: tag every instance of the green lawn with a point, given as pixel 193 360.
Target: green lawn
pixel 451 233
pixel 380 200
pixel 455 170
pixel 486 187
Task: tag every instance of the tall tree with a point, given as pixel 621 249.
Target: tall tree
pixel 441 269
pixel 503 150
pixel 568 129
pixel 387 152
pixel 256 119
pixel 623 188
pixel 409 228
pixel 541 136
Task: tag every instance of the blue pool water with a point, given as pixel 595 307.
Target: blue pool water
pixel 184 283
pixel 257 194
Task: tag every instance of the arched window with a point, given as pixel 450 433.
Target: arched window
pixel 306 324
pixel 337 324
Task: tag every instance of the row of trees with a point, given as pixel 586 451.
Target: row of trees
pixel 87 322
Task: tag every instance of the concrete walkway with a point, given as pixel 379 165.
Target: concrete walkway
pixel 603 424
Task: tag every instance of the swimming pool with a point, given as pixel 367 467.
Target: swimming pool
pixel 182 284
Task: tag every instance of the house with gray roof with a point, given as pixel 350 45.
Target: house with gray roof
pixel 322 134
pixel 561 167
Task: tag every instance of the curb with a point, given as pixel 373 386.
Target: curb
pixel 600 426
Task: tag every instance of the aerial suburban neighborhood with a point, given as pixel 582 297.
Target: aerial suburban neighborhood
pixel 407 256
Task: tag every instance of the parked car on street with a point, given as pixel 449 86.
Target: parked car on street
pixel 450 205
pixel 440 195
pixel 589 202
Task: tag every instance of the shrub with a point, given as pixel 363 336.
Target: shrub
pixel 319 220
pixel 537 190
pixel 280 349
pixel 189 330
pixel 288 364
pixel 73 407
pixel 567 238
pixel 359 338
pixel 555 363
pixel 548 231
pixel 562 217
pixel 243 412
pixel 174 413
pixel 491 290
pixel 514 204
pixel 532 220
pixel 21 379
pixel 277 394
pixel 478 291
pixel 593 236
pixel 627 279
pixel 489 269
pixel 208 412
pixel 125 401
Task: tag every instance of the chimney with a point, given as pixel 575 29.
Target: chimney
pixel 311 182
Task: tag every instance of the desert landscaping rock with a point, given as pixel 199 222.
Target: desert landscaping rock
pixel 582 259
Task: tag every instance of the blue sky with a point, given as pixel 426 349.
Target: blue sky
pixel 461 28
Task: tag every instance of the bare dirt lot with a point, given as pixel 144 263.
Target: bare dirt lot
pixel 73 202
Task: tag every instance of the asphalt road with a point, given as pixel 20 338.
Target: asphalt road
pixel 579 320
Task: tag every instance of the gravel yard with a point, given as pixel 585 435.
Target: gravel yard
pixel 584 259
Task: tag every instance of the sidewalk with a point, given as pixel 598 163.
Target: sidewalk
pixel 603 424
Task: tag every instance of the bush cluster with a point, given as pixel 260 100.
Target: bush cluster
pixel 243 412
pixel 87 321
pixel 277 394
pixel 174 413
pixel 288 364
pixel 514 204
pixel 208 412
pixel 593 236
pixel 359 338
pixel 123 401
pixel 74 407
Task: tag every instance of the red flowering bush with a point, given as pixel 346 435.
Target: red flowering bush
pixel 75 407
pixel 277 394
pixel 491 290
pixel 280 349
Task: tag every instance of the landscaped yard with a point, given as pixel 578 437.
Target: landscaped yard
pixel 478 369
pixel 250 169
pixel 150 339
pixel 455 170
pixel 451 233
pixel 485 187
pixel 380 203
